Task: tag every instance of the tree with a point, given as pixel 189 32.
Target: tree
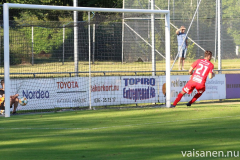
pixel 54 15
pixel 230 16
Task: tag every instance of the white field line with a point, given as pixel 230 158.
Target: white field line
pixel 129 125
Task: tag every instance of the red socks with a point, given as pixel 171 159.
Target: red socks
pixel 179 97
pixel 195 98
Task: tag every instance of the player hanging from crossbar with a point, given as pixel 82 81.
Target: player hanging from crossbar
pixel 198 79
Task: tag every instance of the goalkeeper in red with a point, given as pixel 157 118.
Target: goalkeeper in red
pixel 203 68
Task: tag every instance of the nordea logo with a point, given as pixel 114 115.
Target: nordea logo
pixel 35 94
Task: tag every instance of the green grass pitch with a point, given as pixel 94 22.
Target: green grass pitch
pixel 122 134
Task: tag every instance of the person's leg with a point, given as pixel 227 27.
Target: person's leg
pixel 183 60
pixel 195 98
pixel 200 90
pixel 180 58
pixel 179 64
pixel 11 101
pixel 14 101
pixel 188 88
pixel 184 57
pixel 15 105
pixel 2 108
pixel 179 97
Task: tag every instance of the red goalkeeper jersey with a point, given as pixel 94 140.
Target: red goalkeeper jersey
pixel 203 68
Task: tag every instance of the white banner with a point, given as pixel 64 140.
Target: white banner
pixel 162 89
pixel 215 88
pixel 48 93
pixel 105 91
pixel 139 89
pixel 39 92
pixel 71 91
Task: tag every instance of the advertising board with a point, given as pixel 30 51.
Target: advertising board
pixel 215 88
pixel 232 86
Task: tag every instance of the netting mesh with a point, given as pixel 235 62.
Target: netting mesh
pixel 139 32
pixel 36 42
pixel 43 69
pixel 42 46
pixel 203 31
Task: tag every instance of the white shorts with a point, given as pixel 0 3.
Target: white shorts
pixel 182 52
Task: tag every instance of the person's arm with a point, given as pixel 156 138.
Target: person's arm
pixel 211 75
pixel 192 67
pixel 177 31
pixel 3 86
pixel 14 96
pixel 191 70
pixel 186 43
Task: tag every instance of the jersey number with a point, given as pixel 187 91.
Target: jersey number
pixel 201 67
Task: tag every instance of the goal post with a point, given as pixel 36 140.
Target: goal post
pixel 167 50
pixel 6 59
pixel 8 6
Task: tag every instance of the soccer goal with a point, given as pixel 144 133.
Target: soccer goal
pixel 198 17
pixel 40 63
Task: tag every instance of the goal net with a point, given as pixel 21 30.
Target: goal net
pixel 59 63
pixel 210 25
pixel 204 31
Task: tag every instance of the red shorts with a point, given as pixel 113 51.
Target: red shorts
pixel 189 87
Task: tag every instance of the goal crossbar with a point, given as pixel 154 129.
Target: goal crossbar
pixel 7 6
pixel 94 9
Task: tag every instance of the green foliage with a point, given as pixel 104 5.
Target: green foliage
pixel 191 54
pixel 45 38
pixel 173 43
pixel 51 15
pixel 18 51
pixel 231 14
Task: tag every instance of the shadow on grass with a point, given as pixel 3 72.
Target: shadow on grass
pixel 146 133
